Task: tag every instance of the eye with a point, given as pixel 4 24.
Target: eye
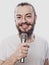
pixel 18 17
pixel 28 16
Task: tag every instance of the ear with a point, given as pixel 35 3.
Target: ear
pixel 35 18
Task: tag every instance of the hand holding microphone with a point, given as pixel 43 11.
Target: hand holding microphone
pixel 22 50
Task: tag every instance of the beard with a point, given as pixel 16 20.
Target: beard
pixel 29 32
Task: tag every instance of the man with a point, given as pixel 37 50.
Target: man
pixel 34 50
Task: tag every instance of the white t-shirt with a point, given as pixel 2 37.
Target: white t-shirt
pixel 37 53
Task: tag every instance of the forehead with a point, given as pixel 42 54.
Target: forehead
pixel 24 9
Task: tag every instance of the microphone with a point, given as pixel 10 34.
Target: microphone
pixel 23 39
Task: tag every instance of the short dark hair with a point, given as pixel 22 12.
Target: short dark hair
pixel 25 3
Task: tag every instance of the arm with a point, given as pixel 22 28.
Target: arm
pixel 20 53
pixel 10 61
pixel 46 62
pixel 1 62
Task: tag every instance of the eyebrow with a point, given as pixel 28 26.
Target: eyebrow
pixel 18 15
pixel 26 14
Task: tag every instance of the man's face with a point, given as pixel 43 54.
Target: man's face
pixel 25 19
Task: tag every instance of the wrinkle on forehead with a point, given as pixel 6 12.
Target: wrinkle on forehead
pixel 24 10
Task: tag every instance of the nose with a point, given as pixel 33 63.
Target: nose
pixel 23 19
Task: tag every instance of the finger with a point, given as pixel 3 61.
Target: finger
pixel 25 48
pixel 25 52
pixel 25 45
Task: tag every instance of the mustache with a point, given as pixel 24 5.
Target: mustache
pixel 24 23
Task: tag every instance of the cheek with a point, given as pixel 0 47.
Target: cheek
pixel 17 22
pixel 30 20
pixel 29 28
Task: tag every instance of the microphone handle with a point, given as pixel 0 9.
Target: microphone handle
pixel 22 60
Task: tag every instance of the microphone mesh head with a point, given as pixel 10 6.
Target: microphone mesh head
pixel 23 37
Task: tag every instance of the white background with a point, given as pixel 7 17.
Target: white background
pixel 7 24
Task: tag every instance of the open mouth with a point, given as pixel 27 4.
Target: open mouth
pixel 25 26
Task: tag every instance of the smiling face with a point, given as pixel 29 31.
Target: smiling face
pixel 25 19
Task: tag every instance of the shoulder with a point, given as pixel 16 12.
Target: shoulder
pixel 41 39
